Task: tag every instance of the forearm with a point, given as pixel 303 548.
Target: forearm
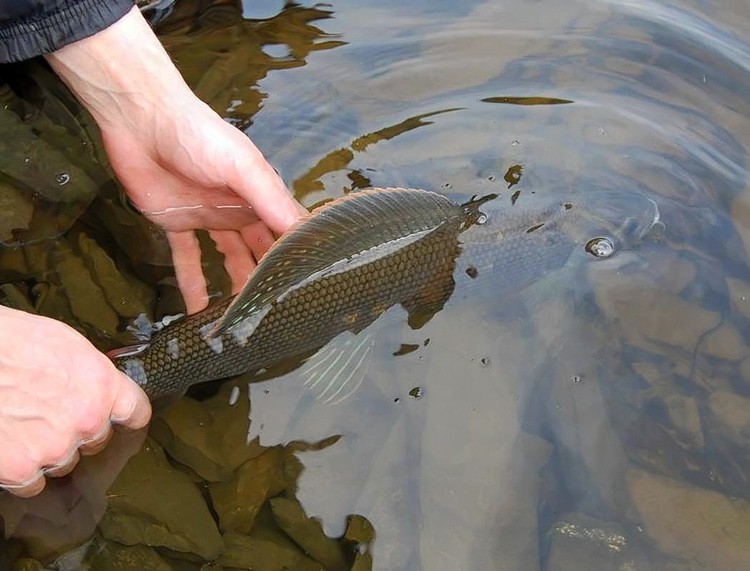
pixel 121 73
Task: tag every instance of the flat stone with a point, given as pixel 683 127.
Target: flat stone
pixel 739 293
pixel 649 315
pixel 731 417
pixel 725 343
pixel 683 412
pixel 87 301
pixel 238 501
pixel 115 557
pixel 307 533
pixel 210 437
pixel 690 522
pixel 126 294
pixel 151 503
pixel 265 550
pixel 15 211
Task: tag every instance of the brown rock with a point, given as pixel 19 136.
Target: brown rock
pixel 152 503
pixel 691 522
pixel 307 533
pixel 238 501
pixel 210 437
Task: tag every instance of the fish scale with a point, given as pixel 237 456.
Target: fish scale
pixel 350 261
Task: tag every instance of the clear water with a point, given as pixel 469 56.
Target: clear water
pixel 597 419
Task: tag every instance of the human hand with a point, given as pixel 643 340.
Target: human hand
pixel 59 397
pixel 181 164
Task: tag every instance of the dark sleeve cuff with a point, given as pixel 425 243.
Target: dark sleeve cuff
pixel 45 32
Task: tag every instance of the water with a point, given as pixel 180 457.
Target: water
pixel 597 419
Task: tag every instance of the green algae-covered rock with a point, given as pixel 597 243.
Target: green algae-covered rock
pixel 210 437
pixel 238 501
pixel 153 504
pixel 307 533
pixel 115 557
pixel 265 550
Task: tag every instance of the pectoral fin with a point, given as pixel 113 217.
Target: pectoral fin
pixel 335 372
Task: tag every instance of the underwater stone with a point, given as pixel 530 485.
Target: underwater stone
pixel 238 501
pixel 154 504
pixel 683 412
pixel 658 317
pixel 210 437
pixel 15 211
pixel 725 343
pixel 115 557
pixel 265 550
pixel 731 418
pixel 687 521
pixel 127 295
pixel 307 533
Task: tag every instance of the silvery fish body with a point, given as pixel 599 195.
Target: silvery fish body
pixel 352 259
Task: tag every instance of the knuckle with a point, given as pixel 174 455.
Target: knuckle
pixel 57 450
pixel 19 473
pixel 90 419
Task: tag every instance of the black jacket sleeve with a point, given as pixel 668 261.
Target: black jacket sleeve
pixel 31 28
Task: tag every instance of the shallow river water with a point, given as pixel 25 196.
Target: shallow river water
pixel 598 418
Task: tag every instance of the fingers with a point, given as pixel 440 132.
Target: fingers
pixel 254 179
pixel 186 255
pixel 131 408
pixel 238 258
pixel 242 250
pixel 29 488
pixel 259 238
pixel 96 444
pixel 64 467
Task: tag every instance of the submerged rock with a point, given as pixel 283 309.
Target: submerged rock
pixel 265 550
pixel 210 437
pixel 115 557
pixel 644 324
pixel 731 418
pixel 705 526
pixel 307 533
pixel 238 501
pixel 686 420
pixel 153 504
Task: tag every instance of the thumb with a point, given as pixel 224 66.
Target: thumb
pixel 131 407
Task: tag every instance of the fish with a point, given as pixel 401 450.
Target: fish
pixel 341 268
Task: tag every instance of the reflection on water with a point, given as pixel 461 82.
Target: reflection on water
pixel 597 418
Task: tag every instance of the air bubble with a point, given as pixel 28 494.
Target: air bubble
pixel 63 178
pixel 600 247
pixel 482 218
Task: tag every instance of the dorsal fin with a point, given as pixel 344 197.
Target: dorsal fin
pixel 333 233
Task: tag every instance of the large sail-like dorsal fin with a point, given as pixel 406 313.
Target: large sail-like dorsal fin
pixel 332 234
